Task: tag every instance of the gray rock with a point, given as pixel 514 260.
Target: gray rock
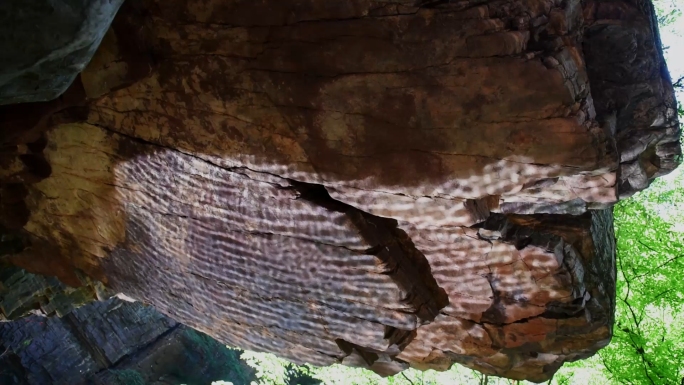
pixel 113 343
pixel 23 293
pixel 51 350
pixel 44 44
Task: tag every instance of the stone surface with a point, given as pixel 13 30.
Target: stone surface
pixel 44 44
pixel 113 343
pixel 23 293
pixel 379 184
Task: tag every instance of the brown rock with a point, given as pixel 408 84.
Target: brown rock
pixel 378 185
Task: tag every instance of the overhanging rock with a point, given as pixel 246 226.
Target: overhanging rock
pixel 378 184
pixel 44 44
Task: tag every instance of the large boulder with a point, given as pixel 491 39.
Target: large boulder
pixel 378 184
pixel 113 342
pixel 44 44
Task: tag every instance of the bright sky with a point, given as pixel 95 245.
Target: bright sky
pixel 673 40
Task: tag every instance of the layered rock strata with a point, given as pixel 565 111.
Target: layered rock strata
pixel 113 343
pixel 381 184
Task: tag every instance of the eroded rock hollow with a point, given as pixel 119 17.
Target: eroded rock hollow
pixel 375 183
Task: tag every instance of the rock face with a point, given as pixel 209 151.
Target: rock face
pixel 22 293
pixel 113 343
pixel 44 44
pixel 381 184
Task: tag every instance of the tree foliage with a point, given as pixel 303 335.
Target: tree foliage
pixel 648 342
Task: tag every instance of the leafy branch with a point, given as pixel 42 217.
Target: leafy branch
pixel 637 346
pixel 407 379
pixel 679 84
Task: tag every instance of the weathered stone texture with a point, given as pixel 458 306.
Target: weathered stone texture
pixel 103 341
pixel 23 293
pixel 67 350
pixel 372 183
pixel 44 44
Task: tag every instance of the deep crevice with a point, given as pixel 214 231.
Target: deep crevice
pixel 403 262
pixel 95 351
